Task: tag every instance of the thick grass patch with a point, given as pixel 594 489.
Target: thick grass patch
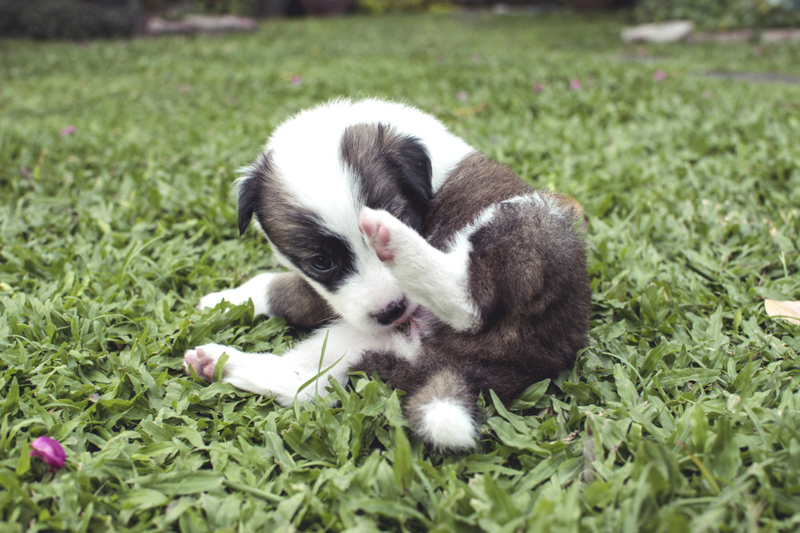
pixel 681 415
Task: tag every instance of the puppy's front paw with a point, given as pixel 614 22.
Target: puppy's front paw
pixel 203 359
pixel 380 231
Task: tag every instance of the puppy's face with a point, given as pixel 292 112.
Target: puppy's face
pixel 306 193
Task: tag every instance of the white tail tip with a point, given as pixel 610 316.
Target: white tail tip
pixel 446 425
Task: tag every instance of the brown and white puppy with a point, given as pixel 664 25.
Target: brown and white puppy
pixel 416 257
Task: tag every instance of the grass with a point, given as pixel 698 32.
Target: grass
pixel 683 414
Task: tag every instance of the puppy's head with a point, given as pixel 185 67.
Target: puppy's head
pixel 306 191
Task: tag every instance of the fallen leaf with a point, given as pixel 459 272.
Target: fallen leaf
pixel 787 310
pixel 571 436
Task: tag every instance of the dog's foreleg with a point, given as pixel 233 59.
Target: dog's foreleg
pixel 434 279
pixel 282 376
pixel 255 289
pixel 283 294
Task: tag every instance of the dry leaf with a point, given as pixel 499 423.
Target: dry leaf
pixel 571 436
pixel 788 311
pixel 774 234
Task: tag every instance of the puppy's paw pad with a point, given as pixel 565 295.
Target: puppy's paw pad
pixel 203 359
pixel 377 230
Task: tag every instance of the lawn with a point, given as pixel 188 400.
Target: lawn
pixel 682 414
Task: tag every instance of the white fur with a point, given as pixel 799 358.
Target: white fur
pixel 432 278
pixel 371 289
pixel 281 376
pixel 448 425
pixel 538 200
pixel 254 289
pixel 321 129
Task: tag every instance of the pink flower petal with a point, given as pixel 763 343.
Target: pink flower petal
pixel 659 75
pixel 538 87
pixel 575 84
pixel 50 451
pixel 297 80
pixel 68 130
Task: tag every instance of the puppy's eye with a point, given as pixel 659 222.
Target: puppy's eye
pixel 320 263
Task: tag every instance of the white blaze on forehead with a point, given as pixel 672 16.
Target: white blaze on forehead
pixel 312 137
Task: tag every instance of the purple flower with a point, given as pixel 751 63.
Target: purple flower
pixel 575 84
pixel 297 80
pixel 68 130
pixel 538 87
pixel 659 75
pixel 49 451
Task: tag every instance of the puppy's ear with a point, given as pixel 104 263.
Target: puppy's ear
pixel 251 189
pixel 412 162
pixel 394 170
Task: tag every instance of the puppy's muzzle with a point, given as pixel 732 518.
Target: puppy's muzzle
pixel 391 313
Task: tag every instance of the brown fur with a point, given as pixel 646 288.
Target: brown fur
pixel 527 276
pixel 475 184
pixel 375 152
pixel 295 300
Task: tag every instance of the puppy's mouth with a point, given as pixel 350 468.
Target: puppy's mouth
pixel 405 318
pixel 408 323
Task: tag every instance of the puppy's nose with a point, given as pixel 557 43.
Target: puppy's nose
pixel 391 313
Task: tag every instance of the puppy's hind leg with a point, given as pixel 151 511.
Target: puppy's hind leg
pixel 435 279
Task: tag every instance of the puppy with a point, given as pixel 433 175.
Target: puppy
pixel 416 257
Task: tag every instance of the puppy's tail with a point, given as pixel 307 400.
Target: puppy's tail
pixel 444 412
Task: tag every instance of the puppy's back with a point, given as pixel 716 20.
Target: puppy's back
pixel 527 277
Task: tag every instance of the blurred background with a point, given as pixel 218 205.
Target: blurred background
pixel 85 19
